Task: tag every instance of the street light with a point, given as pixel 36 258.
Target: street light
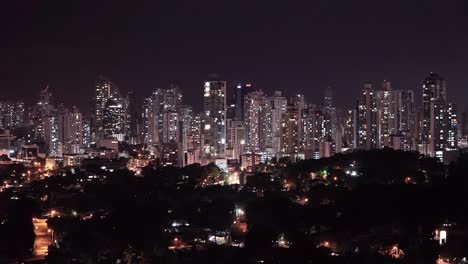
pixel 51 234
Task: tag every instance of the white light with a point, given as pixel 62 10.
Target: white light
pixel 442 237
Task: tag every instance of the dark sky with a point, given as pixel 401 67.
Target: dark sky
pixel 290 45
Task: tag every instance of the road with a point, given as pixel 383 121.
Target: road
pixel 43 237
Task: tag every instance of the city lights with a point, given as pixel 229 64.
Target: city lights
pixel 216 133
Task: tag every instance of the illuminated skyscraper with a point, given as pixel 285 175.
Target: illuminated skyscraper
pixel 332 133
pixel 11 114
pixel 131 118
pixel 214 120
pixel 434 88
pixel 329 114
pixel 44 118
pixel 170 114
pixel 350 130
pixel 171 127
pixel 366 113
pixel 406 111
pixel 106 95
pixel 313 121
pixel 169 154
pixel 439 123
pixel 257 119
pixel 278 104
pixel 161 116
pixel 72 133
pixel 290 130
pixel 240 91
pixel 443 130
pixel 86 123
pixel 149 121
pixel 386 114
pixel 235 139
pixel 114 120
pixel 453 124
pixel 191 136
pixel 40 112
pixel 298 101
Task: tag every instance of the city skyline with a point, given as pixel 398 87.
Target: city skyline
pixel 239 122
pixel 317 94
pixel 184 132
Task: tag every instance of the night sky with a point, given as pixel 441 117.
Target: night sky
pixel 294 46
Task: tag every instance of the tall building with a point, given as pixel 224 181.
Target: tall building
pixel 313 122
pixel 192 137
pixel 434 88
pixel 113 113
pixel 452 126
pixel 171 114
pixel 131 118
pixel 350 130
pixel 330 126
pixel 329 113
pixel 290 130
pixel 86 128
pixel 257 120
pixel 171 127
pixel 386 114
pixel 406 121
pixel 235 139
pixel 366 125
pixel 39 114
pixel 278 104
pixel 148 127
pixel 464 124
pixel 161 116
pixel 44 118
pixel 5 142
pixel 171 98
pixel 54 146
pixel 169 154
pixel 439 118
pixel 214 120
pixel 238 99
pixel 113 122
pixel 11 114
pixel 73 132
pixel 443 130
pixel 107 96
